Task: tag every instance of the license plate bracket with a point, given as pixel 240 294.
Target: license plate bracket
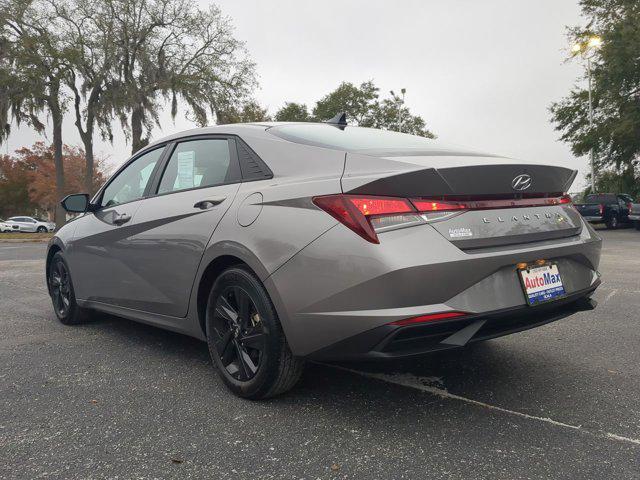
pixel 541 283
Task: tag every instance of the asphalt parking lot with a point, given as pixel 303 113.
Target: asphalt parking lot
pixel 115 399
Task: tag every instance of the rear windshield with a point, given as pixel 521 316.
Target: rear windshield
pixel 352 139
pixel 602 198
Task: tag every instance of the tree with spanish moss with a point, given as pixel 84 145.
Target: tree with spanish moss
pixel 33 67
pixel 172 50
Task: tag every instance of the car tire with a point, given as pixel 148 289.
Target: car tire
pixel 62 293
pixel 637 225
pixel 42 230
pixel 613 223
pixel 245 337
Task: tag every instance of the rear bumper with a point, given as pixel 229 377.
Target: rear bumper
pixel 340 286
pixel 390 341
pixel 634 218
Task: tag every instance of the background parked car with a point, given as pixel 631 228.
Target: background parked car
pixel 612 209
pixel 4 226
pixel 30 224
pixel 634 215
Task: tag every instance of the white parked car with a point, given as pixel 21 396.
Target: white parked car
pixel 29 224
pixel 4 226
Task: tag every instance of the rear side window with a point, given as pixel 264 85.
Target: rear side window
pixel 198 164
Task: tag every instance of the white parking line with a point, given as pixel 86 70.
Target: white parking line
pixel 425 385
pixel 609 295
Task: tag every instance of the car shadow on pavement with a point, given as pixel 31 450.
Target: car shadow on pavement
pixel 486 371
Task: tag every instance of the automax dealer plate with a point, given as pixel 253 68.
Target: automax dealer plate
pixel 542 283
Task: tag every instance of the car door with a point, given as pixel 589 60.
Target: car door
pixel 198 183
pixel 30 224
pixel 102 255
pixel 24 224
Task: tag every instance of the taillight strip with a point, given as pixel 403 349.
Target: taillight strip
pixel 368 214
pixel 428 205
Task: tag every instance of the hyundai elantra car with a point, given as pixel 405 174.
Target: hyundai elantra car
pixel 279 243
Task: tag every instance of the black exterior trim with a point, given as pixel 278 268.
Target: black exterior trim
pixel 392 341
pixel 251 165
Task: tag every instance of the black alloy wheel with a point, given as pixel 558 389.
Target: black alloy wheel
pixel 62 293
pixel 245 337
pixel 240 334
pixel 60 288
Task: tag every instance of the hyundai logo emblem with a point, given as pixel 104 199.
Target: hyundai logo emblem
pixel 521 182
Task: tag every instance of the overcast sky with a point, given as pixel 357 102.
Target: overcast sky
pixel 481 73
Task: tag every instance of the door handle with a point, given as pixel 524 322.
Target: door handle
pixel 121 219
pixel 211 202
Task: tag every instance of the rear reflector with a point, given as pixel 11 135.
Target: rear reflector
pixel 428 318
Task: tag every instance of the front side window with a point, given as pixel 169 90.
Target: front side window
pixel 131 182
pixel 196 164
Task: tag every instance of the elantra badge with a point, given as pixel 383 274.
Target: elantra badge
pixel 521 182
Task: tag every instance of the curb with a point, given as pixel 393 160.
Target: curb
pixel 24 240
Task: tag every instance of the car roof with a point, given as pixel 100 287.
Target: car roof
pixel 259 129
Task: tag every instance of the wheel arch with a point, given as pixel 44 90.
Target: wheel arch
pixel 217 258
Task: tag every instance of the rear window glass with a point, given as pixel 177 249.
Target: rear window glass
pixel 352 138
pixel 603 198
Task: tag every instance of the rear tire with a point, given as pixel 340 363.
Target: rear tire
pixel 62 294
pixel 613 223
pixel 245 338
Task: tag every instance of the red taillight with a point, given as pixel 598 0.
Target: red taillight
pixel 428 205
pixel 380 205
pixel 629 206
pixel 436 206
pixel 354 211
pixel 428 318
pixel 368 214
pixel 601 209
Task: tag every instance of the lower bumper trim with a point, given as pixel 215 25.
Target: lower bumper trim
pixel 391 341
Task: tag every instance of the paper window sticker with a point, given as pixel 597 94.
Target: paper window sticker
pixel 186 169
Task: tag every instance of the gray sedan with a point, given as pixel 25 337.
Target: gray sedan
pixel 282 242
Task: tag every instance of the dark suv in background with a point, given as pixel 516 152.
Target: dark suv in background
pixel 612 209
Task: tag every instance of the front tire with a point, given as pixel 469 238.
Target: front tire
pixel 62 294
pixel 245 338
pixel 42 230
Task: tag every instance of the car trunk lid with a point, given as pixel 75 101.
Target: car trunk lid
pixel 506 202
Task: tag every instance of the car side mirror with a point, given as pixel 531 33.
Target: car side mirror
pixel 76 203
